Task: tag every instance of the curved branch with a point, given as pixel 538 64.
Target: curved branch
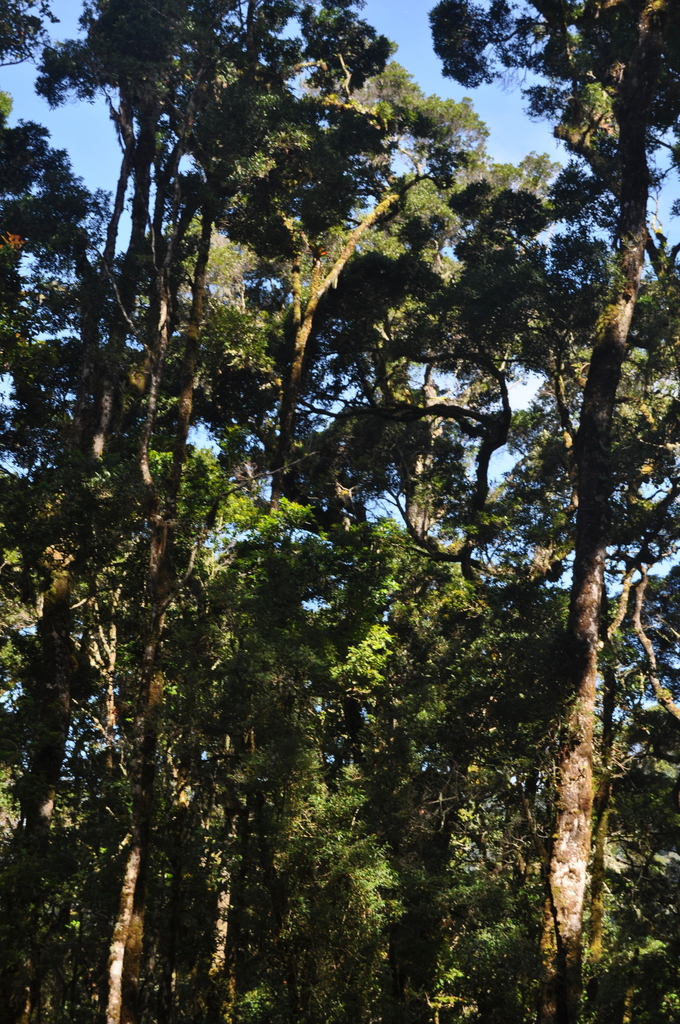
pixel 622 606
pixel 660 692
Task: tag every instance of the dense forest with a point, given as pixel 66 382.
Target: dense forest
pixel 337 684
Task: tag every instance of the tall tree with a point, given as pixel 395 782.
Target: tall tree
pixel 608 71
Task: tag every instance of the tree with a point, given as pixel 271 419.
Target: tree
pixel 607 71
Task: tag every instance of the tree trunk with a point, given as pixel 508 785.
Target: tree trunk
pixel 629 997
pixel 171 943
pixel 602 808
pixel 101 372
pixel 126 948
pixel 572 836
pixel 597 882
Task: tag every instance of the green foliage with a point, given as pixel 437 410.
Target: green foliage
pixel 358 688
pixel 21 30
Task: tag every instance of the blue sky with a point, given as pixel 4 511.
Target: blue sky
pixel 86 133
pixel 513 135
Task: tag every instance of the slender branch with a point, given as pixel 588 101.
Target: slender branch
pixel 622 606
pixel 116 293
pixel 660 692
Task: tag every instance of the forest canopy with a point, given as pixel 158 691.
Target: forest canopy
pixel 338 684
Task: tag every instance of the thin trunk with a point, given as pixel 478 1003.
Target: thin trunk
pixel 103 653
pixel 137 162
pixel 602 809
pixel 143 775
pixel 663 696
pixel 629 997
pixel 218 987
pixel 418 504
pixel 235 947
pixel 572 836
pixel 110 726
pixel 597 883
pixel 98 377
pixel 120 933
pixel 221 989
pixel 547 1007
pixel 221 926
pixel 126 949
pixel 167 986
